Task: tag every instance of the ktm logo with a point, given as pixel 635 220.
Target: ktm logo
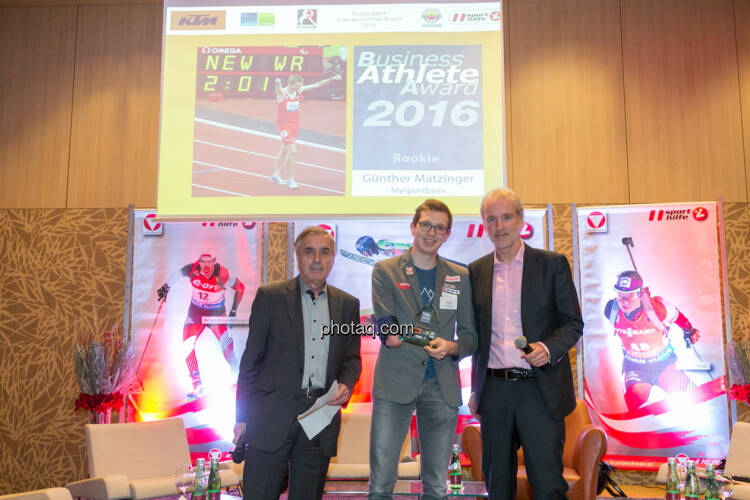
pixel 199 20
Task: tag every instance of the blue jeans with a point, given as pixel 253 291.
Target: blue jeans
pixel 436 427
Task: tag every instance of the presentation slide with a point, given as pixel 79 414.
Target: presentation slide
pixel 329 109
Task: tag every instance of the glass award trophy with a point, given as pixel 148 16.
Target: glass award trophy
pixel 421 334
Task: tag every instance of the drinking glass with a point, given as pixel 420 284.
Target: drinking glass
pixel 726 488
pixel 183 478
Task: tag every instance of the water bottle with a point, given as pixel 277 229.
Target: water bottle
pixel 199 484
pixel 692 488
pixel 214 481
pixel 454 469
pixel 673 480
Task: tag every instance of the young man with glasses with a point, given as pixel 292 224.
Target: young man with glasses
pixel 419 289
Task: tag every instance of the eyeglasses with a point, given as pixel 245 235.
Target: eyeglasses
pixel 427 227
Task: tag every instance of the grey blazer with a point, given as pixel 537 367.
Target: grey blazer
pixel 399 371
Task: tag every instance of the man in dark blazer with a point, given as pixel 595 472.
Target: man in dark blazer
pixel 286 365
pixel 522 397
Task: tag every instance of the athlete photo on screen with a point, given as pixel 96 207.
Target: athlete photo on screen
pixel 288 101
pixel 209 281
pixel 248 98
pixel 642 324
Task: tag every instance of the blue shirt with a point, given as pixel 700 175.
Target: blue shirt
pixel 427 292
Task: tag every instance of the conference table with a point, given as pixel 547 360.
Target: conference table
pixel 403 488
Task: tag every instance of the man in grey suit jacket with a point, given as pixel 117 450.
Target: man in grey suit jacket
pixel 419 288
pixel 522 397
pixel 286 365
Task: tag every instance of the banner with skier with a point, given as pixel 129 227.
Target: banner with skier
pixel 653 359
pixel 193 285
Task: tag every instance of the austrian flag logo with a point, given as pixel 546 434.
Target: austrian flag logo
pixel 151 227
pixel 596 222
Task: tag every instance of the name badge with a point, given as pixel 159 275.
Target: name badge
pixel 404 286
pixel 448 301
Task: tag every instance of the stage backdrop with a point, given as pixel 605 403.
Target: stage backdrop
pixel 192 334
pixel 361 243
pixel 656 393
pixel 399 101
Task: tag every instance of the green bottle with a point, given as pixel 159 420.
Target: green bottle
pixel 692 488
pixel 214 481
pixel 673 480
pixel 199 484
pixel 712 485
pixel 454 469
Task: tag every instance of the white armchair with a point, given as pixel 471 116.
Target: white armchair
pixel 136 460
pixel 45 494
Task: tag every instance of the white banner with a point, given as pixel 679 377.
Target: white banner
pixel 189 347
pixel 653 339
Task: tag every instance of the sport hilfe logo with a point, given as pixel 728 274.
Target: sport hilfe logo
pixel 527 231
pixel 659 215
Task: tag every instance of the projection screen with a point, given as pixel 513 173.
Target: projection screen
pixel 329 109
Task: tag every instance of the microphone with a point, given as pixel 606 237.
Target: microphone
pixel 238 454
pixel 523 344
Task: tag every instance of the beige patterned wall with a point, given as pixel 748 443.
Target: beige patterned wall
pixel 63 272
pixel 277 251
pixel 737 223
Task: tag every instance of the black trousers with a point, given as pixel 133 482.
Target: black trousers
pixel 264 471
pixel 513 415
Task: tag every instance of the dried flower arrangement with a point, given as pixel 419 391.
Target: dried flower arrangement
pixel 105 371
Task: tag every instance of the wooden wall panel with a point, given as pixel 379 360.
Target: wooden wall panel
pixel 568 135
pixel 506 101
pixel 684 128
pixel 114 137
pixel 742 31
pixel 36 85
